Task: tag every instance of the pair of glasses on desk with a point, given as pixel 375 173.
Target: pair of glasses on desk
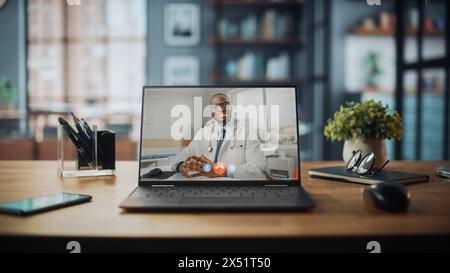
pixel 363 165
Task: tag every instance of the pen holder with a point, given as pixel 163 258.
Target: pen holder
pixel 96 158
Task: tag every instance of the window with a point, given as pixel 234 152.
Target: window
pixel 89 59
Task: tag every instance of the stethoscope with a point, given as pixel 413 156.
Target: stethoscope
pixel 210 148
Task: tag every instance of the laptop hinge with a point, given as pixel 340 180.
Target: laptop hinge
pixel 276 185
pixel 163 186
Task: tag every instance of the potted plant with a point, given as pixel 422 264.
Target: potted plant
pixel 364 126
pixel 8 95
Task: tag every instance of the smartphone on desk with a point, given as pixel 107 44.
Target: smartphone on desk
pixel 443 172
pixel 43 203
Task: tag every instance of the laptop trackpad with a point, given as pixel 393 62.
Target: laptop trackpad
pixel 215 200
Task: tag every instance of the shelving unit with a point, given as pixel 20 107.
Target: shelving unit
pixel 266 45
pixel 389 91
pixel 255 2
pixel 391 32
pixel 428 122
pixel 417 83
pixel 224 79
pixel 256 41
pixel 274 32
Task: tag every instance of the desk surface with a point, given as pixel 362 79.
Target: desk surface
pixel 340 209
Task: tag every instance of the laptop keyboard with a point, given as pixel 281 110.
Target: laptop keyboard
pixel 207 192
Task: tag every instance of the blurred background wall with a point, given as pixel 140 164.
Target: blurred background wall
pixel 93 57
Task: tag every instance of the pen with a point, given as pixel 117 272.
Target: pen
pixel 85 140
pixel 83 151
pixel 87 128
pixel 89 132
pixel 84 135
pixel 81 131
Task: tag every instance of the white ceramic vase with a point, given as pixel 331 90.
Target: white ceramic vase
pixel 366 145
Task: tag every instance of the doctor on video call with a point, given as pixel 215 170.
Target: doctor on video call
pixel 222 147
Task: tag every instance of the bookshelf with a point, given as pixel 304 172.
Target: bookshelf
pixel 414 78
pixel 257 81
pixel 276 42
pixel 255 2
pixel 256 42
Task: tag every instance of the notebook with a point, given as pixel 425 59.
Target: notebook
pixel 341 173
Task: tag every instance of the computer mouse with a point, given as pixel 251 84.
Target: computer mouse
pixel 153 172
pixel 387 196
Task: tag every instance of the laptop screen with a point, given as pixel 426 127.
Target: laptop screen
pixel 212 133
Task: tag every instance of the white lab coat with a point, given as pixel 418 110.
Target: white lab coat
pixel 243 152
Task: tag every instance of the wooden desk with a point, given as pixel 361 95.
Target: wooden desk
pixel 340 216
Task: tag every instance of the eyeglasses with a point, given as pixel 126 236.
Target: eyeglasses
pixel 225 106
pixel 363 165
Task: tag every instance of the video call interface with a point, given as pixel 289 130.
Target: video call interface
pixel 191 134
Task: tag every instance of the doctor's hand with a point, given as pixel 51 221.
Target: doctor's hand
pixel 190 165
pixel 211 174
pixel 195 164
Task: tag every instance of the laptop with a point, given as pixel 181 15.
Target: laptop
pixel 206 148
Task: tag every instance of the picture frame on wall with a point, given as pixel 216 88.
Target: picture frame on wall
pixel 182 24
pixel 181 70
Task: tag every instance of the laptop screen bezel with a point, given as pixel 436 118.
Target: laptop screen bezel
pixel 274 182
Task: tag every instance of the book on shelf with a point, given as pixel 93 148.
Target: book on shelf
pixel 227 29
pixel 272 25
pixel 275 25
pixel 249 27
pixel 278 67
pixel 251 66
